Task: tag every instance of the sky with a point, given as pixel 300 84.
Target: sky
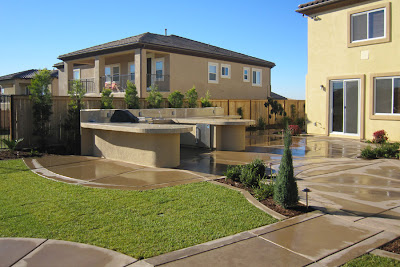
pixel 35 33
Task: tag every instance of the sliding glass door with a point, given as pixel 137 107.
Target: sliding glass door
pixel 344 106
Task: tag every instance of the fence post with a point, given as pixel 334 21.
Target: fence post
pixel 12 118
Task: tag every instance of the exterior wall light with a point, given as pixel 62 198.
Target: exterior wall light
pixel 322 87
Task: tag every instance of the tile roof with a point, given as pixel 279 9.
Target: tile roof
pixel 26 74
pixel 325 5
pixel 313 3
pixel 171 42
pixel 277 97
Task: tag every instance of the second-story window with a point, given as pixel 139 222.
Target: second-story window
pixel 368 25
pixel 159 68
pixel 256 77
pixel 77 74
pixel 246 74
pixel 212 72
pixel 226 71
pixel 132 71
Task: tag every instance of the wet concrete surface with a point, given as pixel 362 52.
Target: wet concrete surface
pixel 359 199
pixel 33 252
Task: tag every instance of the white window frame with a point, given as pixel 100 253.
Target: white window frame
pixel 368 12
pixel 344 103
pixel 112 72
pixel 129 70
pixel 254 83
pixel 248 74
pixel 73 74
pixel 392 100
pixel 161 59
pixel 216 72
pixel 228 66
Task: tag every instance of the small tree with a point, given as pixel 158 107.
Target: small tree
pixel 155 97
pixel 42 103
pixel 71 124
pixel 276 108
pixel 205 101
pixel 175 99
pixel 192 97
pixel 131 95
pixel 286 192
pixel 106 99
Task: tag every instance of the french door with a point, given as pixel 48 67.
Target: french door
pixel 345 106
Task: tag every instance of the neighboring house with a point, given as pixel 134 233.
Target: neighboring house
pixel 275 96
pixel 18 83
pixel 353 80
pixel 168 61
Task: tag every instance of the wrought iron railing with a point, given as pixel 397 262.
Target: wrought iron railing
pixel 161 81
pixel 87 84
pixel 117 83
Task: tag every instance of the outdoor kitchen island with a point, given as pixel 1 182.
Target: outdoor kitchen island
pixel 155 145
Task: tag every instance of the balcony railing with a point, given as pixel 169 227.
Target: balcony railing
pixel 87 84
pixel 117 83
pixel 161 81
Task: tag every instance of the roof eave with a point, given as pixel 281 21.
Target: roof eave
pixel 261 63
pixel 326 6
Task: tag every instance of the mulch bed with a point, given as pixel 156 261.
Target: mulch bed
pixel 269 202
pixel 6 154
pixel 393 246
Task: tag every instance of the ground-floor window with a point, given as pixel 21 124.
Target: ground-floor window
pixel 387 95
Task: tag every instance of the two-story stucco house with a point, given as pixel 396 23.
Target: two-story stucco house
pixel 18 83
pixel 168 61
pixel 353 80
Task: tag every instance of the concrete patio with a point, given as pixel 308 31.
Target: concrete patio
pixel 357 201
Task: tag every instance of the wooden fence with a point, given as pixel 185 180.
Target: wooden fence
pixel 22 119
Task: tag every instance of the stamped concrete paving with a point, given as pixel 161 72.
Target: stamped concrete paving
pixel 20 252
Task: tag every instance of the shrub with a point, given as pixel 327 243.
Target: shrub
pixel 106 99
pixel 275 108
pixel 261 123
pixel 259 167
pixel 248 176
pixel 294 129
pixel 192 96
pixel 154 99
pixel 72 124
pixel 240 112
pixel 380 137
pixel 42 103
pixel 286 192
pixel 12 144
pixel 175 99
pixel 300 122
pixel 131 96
pixel 385 150
pixel 264 190
pixel 205 101
pixel 368 153
pixel 233 172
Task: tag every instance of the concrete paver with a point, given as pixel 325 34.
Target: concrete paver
pixel 13 249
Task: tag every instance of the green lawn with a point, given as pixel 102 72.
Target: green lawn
pixel 372 260
pixel 139 224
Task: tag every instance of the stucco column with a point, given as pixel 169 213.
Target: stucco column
pixel 140 71
pixel 65 78
pixel 99 63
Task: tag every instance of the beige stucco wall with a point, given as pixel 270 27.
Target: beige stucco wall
pixel 184 71
pixel 329 55
pixel 189 70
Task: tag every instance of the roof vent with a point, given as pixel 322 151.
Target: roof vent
pixel 166 32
